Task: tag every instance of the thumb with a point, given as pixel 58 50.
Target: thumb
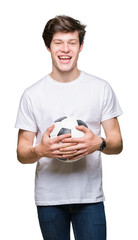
pixel 49 130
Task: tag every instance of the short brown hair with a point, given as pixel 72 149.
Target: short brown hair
pixel 62 23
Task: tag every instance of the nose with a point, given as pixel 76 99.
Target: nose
pixel 65 48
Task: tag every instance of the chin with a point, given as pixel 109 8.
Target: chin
pixel 66 68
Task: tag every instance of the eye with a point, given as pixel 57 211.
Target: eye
pixel 57 43
pixel 73 43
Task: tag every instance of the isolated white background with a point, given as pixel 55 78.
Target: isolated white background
pixel 110 52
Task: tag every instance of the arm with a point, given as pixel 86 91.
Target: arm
pixel 114 143
pixel 25 150
pixel 26 153
pixel 91 143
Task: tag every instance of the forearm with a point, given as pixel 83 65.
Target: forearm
pixel 113 146
pixel 114 143
pixel 27 154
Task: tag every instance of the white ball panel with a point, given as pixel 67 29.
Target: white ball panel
pixel 69 122
pixel 56 129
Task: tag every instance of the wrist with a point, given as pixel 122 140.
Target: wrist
pixel 98 142
pixel 37 151
pixel 103 144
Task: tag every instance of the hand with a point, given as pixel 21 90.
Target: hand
pixel 49 147
pixel 85 145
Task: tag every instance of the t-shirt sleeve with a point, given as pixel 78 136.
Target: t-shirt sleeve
pixel 110 107
pixel 25 116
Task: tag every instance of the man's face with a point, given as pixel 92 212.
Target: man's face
pixel 65 49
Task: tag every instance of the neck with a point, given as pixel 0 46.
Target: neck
pixel 64 77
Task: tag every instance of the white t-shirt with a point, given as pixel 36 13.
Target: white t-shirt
pixel 87 98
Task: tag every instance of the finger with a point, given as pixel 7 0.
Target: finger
pixel 62 145
pixel 69 153
pixel 73 140
pixel 57 154
pixel 49 130
pixel 82 128
pixel 72 148
pixel 76 155
pixel 66 145
pixel 61 137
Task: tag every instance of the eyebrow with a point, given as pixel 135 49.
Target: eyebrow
pixel 62 40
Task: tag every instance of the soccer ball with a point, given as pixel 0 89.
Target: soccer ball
pixel 66 125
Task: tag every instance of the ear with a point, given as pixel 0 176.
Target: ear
pixel 81 47
pixel 48 49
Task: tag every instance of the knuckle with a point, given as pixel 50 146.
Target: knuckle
pixel 60 137
pixel 53 148
pixel 50 141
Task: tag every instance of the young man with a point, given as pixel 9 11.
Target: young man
pixel 68 192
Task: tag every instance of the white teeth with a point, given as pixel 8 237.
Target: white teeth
pixel 64 57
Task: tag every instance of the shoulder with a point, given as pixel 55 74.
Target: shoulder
pixel 97 81
pixel 97 84
pixel 37 87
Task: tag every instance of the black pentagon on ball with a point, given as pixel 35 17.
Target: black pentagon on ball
pixel 64 131
pixel 60 119
pixel 61 132
pixel 80 122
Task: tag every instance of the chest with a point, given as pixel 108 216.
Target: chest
pixel 81 103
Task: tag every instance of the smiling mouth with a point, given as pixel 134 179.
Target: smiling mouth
pixel 64 57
